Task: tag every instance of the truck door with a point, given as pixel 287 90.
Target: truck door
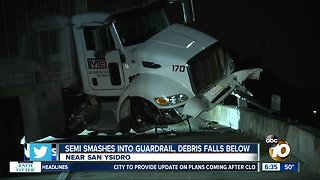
pixel 104 68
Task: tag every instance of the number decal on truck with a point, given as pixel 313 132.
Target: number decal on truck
pixel 178 68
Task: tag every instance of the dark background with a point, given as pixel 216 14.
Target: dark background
pixel 282 38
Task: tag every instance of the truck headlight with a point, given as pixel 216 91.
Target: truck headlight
pixel 171 100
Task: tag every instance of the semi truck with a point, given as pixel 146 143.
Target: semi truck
pixel 134 65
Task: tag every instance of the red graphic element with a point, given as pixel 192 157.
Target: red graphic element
pixel 97 64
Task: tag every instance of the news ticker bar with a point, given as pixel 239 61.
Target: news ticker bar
pixel 38 167
pixel 295 167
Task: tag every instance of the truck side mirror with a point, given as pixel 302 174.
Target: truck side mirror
pixel 187 9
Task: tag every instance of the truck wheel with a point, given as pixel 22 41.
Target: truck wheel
pixel 125 117
pixel 145 115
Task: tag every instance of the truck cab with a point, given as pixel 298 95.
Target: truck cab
pixel 160 73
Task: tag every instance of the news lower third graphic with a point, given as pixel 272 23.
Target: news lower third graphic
pixel 73 157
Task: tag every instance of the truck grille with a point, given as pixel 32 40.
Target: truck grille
pixel 207 68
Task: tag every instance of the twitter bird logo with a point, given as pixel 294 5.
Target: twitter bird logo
pixel 39 153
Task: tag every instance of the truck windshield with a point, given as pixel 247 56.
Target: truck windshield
pixel 138 28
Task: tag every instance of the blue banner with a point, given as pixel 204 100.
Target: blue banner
pixel 164 166
pixel 159 148
pixel 290 167
pixel 55 166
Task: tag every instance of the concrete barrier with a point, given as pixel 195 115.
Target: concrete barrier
pixel 303 140
pixel 224 115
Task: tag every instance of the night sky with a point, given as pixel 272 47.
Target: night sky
pixel 281 37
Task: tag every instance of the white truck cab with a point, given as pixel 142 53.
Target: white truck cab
pixel 161 73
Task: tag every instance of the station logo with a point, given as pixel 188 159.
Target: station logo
pixel 279 149
pixel 40 152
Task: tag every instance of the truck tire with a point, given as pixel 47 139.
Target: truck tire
pixel 145 115
pixel 125 116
